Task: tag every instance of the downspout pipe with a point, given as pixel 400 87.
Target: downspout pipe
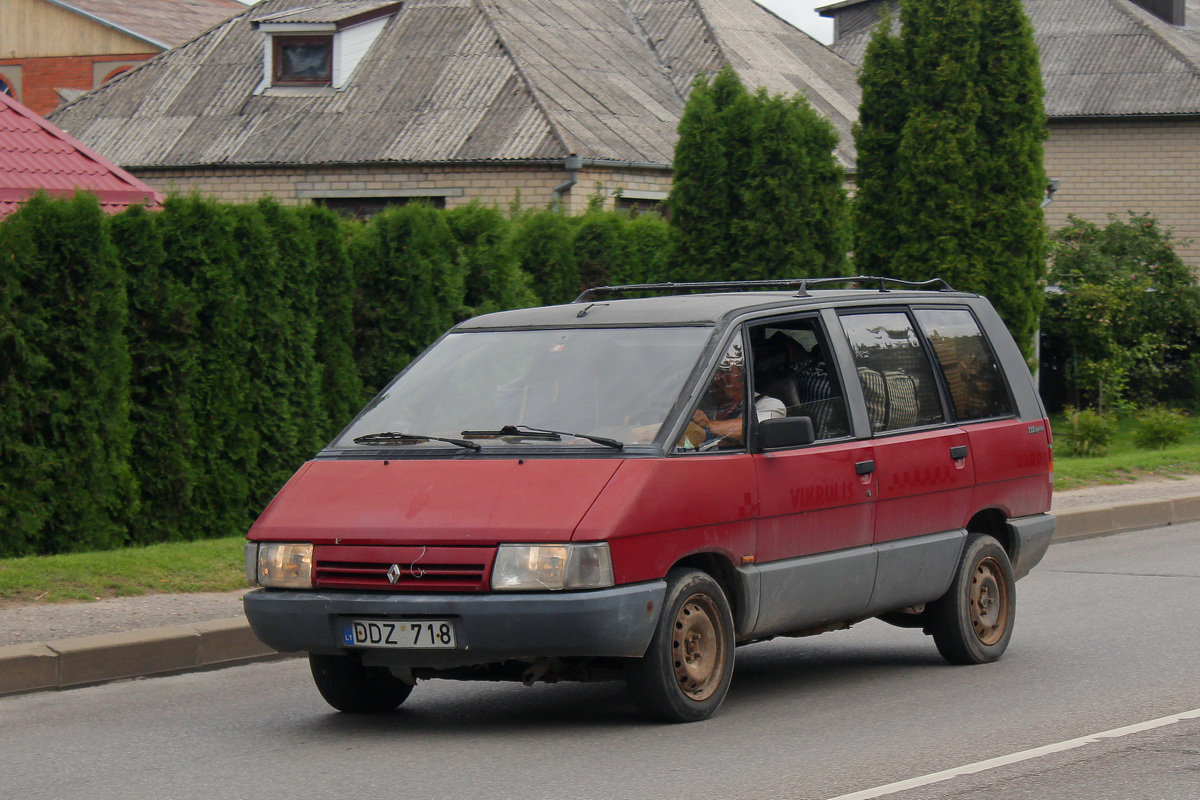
pixel 571 164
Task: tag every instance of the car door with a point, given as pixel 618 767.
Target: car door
pixel 923 469
pixel 816 502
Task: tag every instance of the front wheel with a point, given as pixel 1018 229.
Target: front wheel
pixel 350 687
pixel 687 669
pixel 973 621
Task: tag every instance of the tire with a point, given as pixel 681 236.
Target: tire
pixel 973 621
pixel 350 687
pixel 686 671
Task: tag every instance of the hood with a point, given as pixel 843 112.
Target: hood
pixel 461 501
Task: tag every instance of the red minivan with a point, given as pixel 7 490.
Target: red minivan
pixel 630 488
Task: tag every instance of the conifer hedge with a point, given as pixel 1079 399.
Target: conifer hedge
pixel 163 373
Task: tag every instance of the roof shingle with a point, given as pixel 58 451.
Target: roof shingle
pixel 461 80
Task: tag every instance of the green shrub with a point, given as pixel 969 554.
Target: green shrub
pixel 1088 432
pixel 65 437
pixel 1158 428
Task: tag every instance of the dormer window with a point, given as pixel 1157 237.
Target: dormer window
pixel 318 48
pixel 302 60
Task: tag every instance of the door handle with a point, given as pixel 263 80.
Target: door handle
pixel 958 452
pixel 864 467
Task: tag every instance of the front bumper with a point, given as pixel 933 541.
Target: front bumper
pixel 615 622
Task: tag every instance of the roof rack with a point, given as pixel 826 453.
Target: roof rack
pixel 801 284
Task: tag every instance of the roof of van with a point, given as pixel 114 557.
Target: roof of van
pixel 688 309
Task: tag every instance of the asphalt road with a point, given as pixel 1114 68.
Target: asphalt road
pixel 1106 638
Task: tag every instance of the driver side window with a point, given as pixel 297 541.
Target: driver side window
pixel 718 422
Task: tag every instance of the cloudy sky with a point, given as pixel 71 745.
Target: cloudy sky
pixel 801 14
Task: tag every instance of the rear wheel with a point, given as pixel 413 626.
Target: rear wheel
pixel 349 686
pixel 686 671
pixel 973 622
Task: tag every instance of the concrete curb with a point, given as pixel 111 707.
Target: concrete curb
pixel 1093 521
pixel 88 660
pixel 71 663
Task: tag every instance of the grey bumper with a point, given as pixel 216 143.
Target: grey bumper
pixel 1031 537
pixel 615 622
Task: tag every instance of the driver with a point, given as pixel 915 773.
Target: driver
pixel 719 417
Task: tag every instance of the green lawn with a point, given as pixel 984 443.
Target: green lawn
pixel 1125 463
pixel 216 565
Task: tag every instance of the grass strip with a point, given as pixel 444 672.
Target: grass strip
pixel 1124 462
pixel 213 565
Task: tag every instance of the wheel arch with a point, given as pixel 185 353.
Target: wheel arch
pixel 720 569
pixel 994 523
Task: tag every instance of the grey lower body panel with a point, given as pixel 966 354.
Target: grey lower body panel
pixel 489 628
pixel 814 590
pixel 1031 540
pixel 811 591
pixel 914 571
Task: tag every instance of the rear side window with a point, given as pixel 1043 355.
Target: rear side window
pixel 972 373
pixel 896 376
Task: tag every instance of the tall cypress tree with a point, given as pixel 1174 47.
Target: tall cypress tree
pixel 341 388
pixel 937 159
pixel 411 288
pixel 1012 128
pixel 200 249
pixel 757 192
pixel 950 161
pixel 544 245
pixel 163 345
pixel 881 114
pixel 280 288
pixel 702 199
pixel 65 478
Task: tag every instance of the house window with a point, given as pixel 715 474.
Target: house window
pixel 6 88
pixel 303 60
pixel 363 208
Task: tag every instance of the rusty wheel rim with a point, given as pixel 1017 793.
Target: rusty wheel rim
pixel 989 601
pixel 698 649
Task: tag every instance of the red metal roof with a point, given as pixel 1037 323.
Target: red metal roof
pixel 35 155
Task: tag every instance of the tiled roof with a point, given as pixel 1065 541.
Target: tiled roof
pixel 461 80
pixel 168 23
pixel 35 155
pixel 1103 58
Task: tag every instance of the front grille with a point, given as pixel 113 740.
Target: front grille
pixel 418 569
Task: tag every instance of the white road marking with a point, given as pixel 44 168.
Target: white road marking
pixel 1016 758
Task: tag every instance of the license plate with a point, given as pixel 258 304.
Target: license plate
pixel 421 634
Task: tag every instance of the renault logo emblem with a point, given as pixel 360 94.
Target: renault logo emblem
pixel 393 573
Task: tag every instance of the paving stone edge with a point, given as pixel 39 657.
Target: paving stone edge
pixel 89 660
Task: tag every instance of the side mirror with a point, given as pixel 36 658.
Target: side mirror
pixel 784 432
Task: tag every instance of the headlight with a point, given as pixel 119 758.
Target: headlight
pixel 281 566
pixel 526 567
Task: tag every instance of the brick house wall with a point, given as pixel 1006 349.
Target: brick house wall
pixel 455 185
pixel 1137 164
pixel 35 80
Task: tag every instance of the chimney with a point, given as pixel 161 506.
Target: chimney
pixel 1170 11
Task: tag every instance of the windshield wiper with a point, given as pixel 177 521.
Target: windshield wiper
pixel 528 432
pixel 395 437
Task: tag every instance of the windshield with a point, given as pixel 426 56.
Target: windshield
pixel 534 388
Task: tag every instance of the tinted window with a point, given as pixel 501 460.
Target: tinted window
pixel 897 379
pixel 976 384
